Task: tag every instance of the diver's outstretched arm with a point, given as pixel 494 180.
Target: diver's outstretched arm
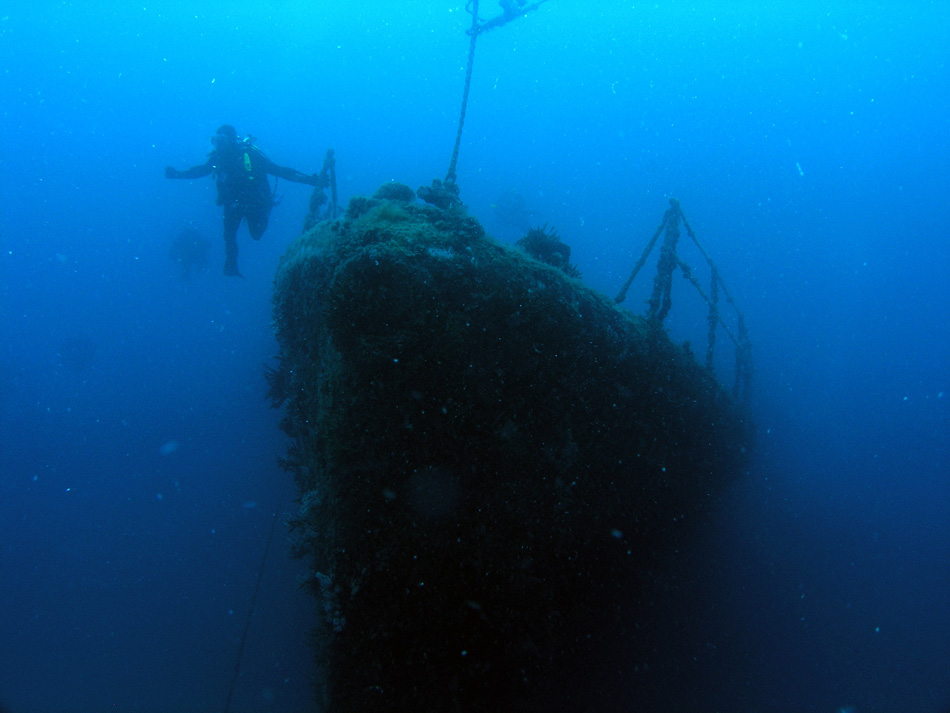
pixel 199 171
pixel 291 174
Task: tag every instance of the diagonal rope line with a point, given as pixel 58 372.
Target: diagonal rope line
pixel 250 611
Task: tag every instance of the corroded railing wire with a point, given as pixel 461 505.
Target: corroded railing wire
pixel 661 301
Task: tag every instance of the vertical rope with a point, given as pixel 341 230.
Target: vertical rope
pixel 450 176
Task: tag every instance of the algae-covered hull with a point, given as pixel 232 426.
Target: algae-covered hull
pixel 491 458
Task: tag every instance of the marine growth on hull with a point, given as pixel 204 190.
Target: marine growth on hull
pixel 492 459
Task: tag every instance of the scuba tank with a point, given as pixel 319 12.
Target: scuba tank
pixel 240 177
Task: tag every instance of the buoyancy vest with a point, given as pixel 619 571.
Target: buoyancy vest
pixel 241 177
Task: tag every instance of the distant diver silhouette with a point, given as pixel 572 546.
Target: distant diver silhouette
pixel 190 251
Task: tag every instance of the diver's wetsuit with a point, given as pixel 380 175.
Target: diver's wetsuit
pixel 241 170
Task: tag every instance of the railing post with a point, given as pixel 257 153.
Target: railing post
pixel 661 300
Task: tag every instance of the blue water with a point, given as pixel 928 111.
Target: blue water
pixel 808 145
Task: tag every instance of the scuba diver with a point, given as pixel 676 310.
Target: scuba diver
pixel 240 170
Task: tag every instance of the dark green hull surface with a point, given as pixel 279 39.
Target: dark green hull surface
pixel 493 460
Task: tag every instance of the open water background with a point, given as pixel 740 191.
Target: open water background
pixel 808 144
